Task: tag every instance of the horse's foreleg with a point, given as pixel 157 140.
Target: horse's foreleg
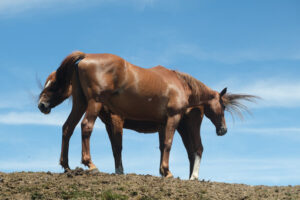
pixel 115 132
pixel 87 126
pixel 197 157
pixel 67 131
pixel 187 141
pixel 192 124
pixel 189 130
pixel 169 130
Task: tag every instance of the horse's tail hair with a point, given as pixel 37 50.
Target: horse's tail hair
pixel 67 66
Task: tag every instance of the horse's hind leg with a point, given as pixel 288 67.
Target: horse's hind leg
pixel 87 126
pixel 115 133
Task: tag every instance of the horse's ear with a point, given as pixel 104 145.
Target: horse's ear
pixel 223 92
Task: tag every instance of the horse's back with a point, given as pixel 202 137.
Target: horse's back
pixel 129 90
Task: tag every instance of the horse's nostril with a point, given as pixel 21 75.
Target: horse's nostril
pixel 222 131
pixel 41 106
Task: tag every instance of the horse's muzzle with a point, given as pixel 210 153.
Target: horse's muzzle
pixel 44 107
pixel 221 131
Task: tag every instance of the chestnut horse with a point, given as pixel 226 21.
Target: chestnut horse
pixel 189 130
pixel 146 100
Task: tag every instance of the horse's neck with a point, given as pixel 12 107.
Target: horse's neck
pixel 200 94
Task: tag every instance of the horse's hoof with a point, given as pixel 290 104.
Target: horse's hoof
pixel 94 171
pixel 193 178
pixel 67 170
pixel 119 171
pixel 169 175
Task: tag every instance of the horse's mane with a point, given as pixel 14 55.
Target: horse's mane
pixel 196 86
pixel 233 102
pixel 234 105
pixel 65 70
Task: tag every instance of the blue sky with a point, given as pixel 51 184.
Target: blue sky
pixel 248 46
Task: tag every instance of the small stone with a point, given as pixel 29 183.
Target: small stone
pixel 78 171
pixel 49 173
pixel 69 175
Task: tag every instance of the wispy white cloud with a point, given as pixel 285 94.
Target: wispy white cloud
pixel 228 56
pixel 272 131
pixel 170 53
pixel 275 93
pixel 36 118
pixel 14 7
pixel 17 100
pixel 21 118
pixel 8 7
pixel 36 165
pixel 235 56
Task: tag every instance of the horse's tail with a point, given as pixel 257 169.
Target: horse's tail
pixel 73 58
pixel 66 69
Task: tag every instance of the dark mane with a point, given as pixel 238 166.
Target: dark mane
pixel 196 86
pixel 65 70
pixel 233 104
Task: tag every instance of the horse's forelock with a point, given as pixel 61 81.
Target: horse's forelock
pixel 234 103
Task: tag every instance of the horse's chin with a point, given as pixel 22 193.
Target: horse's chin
pixel 46 112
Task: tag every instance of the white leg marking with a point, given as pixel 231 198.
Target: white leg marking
pixel 196 167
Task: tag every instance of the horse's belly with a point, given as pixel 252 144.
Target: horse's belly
pixel 135 107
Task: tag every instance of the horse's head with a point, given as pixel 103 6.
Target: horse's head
pixel 53 94
pixel 214 110
pixel 219 102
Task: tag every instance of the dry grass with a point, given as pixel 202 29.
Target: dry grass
pixel 80 184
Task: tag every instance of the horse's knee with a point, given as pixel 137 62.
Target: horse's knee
pixel 67 131
pixel 161 147
pixel 200 151
pixel 86 127
pixel 191 156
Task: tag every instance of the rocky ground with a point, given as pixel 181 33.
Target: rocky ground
pixel 80 184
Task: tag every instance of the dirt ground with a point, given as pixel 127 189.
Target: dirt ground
pixel 80 184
